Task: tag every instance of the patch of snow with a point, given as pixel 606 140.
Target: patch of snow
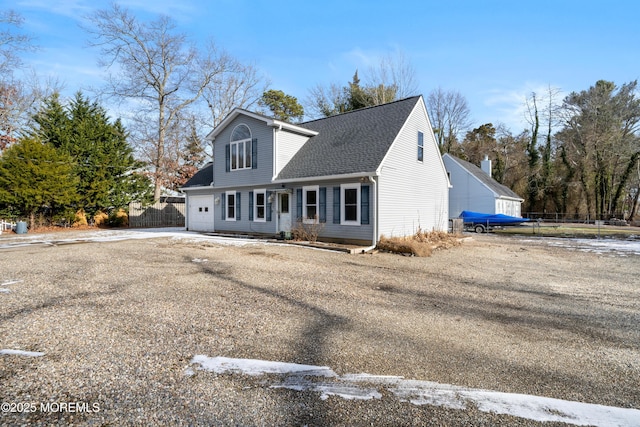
pixel 21 353
pixel 615 247
pixel 175 233
pixel 359 386
pixel 198 260
pixel 5 291
pixel 10 282
pixel 222 365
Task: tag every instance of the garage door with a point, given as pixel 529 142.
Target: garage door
pixel 200 213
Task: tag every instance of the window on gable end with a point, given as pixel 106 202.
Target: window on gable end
pixel 241 148
pixel 420 146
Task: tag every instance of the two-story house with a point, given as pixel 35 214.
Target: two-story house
pixel 362 174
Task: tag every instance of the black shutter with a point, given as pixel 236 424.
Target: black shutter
pixel 364 204
pixel 323 205
pixel 223 199
pixel 237 206
pixel 227 157
pixel 254 153
pixel 250 205
pixel 267 214
pixel 336 205
pixel 299 204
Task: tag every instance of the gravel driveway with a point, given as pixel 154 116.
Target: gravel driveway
pixel 119 325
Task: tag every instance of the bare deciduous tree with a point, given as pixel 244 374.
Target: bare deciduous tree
pixel 393 78
pixel 450 116
pixel 12 41
pixel 156 67
pixel 235 86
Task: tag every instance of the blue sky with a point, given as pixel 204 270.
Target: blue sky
pixel 494 52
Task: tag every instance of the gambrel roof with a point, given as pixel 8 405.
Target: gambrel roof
pixel 349 143
pixel 493 185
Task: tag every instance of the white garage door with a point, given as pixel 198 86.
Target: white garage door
pixel 200 213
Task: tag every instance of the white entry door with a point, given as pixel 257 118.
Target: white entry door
pixel 284 212
pixel 200 213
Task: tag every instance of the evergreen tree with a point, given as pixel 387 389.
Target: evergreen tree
pixel 103 159
pixel 34 176
pixel 283 107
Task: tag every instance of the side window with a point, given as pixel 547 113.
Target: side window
pixel 420 146
pixel 231 205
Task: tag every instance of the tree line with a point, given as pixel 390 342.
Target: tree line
pixel 579 156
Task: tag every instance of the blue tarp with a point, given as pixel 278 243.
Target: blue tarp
pixel 490 219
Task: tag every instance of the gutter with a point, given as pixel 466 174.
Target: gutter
pixel 326 177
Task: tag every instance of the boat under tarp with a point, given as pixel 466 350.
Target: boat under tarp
pixel 490 220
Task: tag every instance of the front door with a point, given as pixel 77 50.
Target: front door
pixel 284 215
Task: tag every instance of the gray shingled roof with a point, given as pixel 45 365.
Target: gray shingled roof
pixel 202 178
pixel 495 186
pixel 352 142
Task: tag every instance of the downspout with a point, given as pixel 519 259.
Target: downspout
pixel 374 240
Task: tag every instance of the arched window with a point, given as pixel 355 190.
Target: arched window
pixel 240 155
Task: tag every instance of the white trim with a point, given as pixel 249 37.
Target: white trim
pixel 325 177
pixel 315 188
pixel 244 143
pixel 226 205
pixel 255 205
pixel 269 121
pixel 351 186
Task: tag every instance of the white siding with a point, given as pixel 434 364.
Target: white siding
pixel 468 193
pixel 413 194
pixel 287 145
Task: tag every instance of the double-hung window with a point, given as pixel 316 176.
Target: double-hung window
pixel 231 205
pixel 240 156
pixel 259 205
pixel 420 146
pixel 310 199
pixel 350 206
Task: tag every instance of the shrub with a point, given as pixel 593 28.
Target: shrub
pixel 100 219
pixel 119 218
pixel 421 244
pixel 80 219
pixel 307 231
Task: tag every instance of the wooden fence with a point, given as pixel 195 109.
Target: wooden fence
pixel 160 214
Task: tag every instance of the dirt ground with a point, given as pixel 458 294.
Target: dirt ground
pixel 119 322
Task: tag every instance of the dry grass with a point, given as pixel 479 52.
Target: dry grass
pixel 421 244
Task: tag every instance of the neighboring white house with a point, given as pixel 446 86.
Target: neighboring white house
pixel 473 189
pixel 362 174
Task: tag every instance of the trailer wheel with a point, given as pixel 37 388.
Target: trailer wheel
pixel 479 228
